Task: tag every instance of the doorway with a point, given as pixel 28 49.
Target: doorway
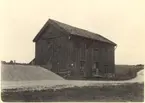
pixel 95 69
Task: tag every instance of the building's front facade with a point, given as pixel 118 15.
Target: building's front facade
pixel 65 51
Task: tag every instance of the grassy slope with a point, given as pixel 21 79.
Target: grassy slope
pixel 123 69
pixel 124 72
pixel 12 72
pixel 120 93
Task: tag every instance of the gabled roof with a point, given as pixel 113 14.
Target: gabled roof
pixel 73 31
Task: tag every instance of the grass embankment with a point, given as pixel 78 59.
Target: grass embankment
pixel 119 93
pixel 122 72
pixel 125 72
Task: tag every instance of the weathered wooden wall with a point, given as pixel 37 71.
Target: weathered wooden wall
pixel 60 52
pixel 85 52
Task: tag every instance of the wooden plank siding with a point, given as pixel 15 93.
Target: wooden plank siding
pixel 65 52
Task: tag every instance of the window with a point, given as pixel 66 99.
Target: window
pixel 106 68
pixel 82 67
pixel 85 46
pixel 96 65
pixel 49 44
pixel 106 52
pixel 42 49
pixel 96 53
pixel 83 51
pixel 69 37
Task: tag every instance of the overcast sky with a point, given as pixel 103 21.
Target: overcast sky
pixel 122 21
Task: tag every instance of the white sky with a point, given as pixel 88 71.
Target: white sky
pixel 122 21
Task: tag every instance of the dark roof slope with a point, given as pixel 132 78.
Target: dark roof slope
pixel 74 31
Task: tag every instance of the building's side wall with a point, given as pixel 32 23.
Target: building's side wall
pixel 106 58
pixel 82 46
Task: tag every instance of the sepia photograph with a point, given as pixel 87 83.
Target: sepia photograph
pixel 72 50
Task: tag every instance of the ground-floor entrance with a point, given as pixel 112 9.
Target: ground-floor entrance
pixel 95 69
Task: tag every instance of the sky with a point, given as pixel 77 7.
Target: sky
pixel 122 21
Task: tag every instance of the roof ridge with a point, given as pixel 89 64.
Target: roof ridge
pixel 78 31
pixel 92 33
pixel 71 26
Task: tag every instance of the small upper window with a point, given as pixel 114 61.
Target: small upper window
pixel 49 44
pixel 106 50
pixel 96 53
pixel 69 37
pixel 96 49
pixel 85 46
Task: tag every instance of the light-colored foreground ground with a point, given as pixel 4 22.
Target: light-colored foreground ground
pixel 12 72
pixel 60 83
